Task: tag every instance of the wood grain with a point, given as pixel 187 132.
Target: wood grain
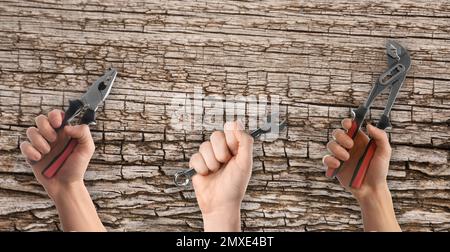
pixel 321 57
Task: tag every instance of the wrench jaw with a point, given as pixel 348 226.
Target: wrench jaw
pixel 183 178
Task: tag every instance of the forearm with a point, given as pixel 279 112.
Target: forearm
pixel 377 211
pixel 76 209
pixel 222 221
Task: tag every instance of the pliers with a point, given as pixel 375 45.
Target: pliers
pixel 182 178
pixel 89 102
pixel 399 62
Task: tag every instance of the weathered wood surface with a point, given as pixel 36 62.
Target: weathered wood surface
pixel 321 56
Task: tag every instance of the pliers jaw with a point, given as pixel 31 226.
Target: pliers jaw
pixel 98 91
pixel 90 100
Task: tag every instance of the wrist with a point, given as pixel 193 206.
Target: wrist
pixel 377 210
pixel 63 191
pixel 222 220
pixel 369 194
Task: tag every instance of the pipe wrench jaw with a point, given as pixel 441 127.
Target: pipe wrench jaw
pixel 392 74
pixel 394 50
pixel 397 54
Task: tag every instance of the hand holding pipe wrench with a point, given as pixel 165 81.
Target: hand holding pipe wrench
pixel 399 62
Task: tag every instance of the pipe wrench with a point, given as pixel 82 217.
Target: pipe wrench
pixel 399 62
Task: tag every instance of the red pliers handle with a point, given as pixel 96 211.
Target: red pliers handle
pixel 358 119
pixel 64 145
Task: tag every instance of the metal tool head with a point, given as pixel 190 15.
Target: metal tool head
pixel 98 91
pixel 397 54
pixel 269 125
pixel 183 178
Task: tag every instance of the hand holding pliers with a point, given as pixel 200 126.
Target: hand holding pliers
pixel 399 62
pixel 88 103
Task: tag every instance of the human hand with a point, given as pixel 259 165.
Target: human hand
pixel 223 166
pixel 373 196
pixel 41 140
pixel 343 148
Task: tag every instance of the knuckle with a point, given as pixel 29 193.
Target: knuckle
pixel 345 156
pixel 205 145
pixel 40 119
pixel 214 166
pixel 336 132
pixel 193 159
pixel 45 149
pixel 31 130
pixel 24 145
pixel 216 135
pixel 334 163
pixel 330 145
pixel 221 156
pixel 54 112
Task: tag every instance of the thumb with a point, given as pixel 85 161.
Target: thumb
pixel 381 139
pixel 245 144
pixel 81 133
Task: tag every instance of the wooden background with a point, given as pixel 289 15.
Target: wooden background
pixel 321 57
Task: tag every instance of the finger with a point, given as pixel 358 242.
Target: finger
pixel 342 138
pixel 198 163
pixel 346 123
pixel 219 146
pixel 82 134
pixel 381 139
pixel 338 151
pixel 331 162
pixel 230 138
pixel 240 142
pixel 45 129
pixel 237 140
pixel 55 117
pixel 208 155
pixel 30 152
pixel 38 141
pixel 245 150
